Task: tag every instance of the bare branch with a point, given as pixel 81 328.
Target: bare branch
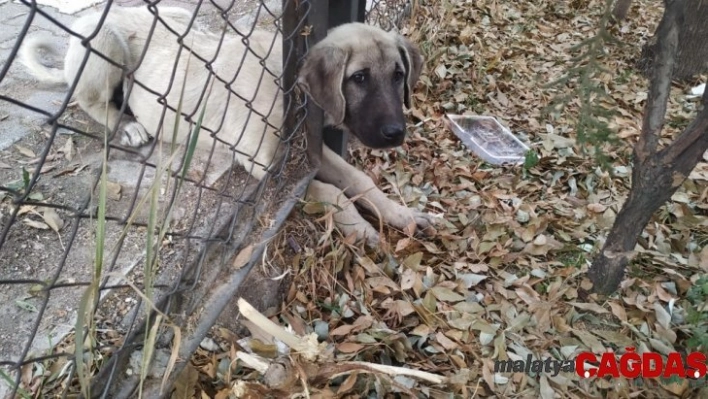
pixel 691 139
pixel 690 144
pixel 655 109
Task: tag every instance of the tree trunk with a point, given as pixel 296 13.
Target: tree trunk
pixel 693 41
pixel 621 9
pixel 692 56
pixel 656 174
pixel 653 183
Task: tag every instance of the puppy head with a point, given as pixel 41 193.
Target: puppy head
pixel 361 76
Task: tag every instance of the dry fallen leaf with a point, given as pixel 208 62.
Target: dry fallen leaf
pixel 593 307
pixel 243 257
pixel 446 294
pixel 185 383
pixel 618 310
pixel 47 168
pixel 597 208
pixel 68 149
pixel 344 329
pixel 662 316
pixel 349 347
pixel 113 190
pixel 26 209
pixel 72 169
pixel 348 384
pixel 52 219
pixel 35 224
pixel 547 391
pixel 446 342
pixel 25 151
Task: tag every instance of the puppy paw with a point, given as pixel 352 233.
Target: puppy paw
pixel 363 231
pixel 401 217
pixel 133 134
pixel 425 222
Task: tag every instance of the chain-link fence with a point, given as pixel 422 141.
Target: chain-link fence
pixel 388 14
pixel 113 252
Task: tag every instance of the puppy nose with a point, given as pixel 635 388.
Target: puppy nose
pixel 392 132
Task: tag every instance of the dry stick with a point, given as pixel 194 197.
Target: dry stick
pixel 391 371
pixel 306 346
pixel 253 361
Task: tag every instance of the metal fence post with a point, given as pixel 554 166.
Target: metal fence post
pixel 297 15
pixel 341 12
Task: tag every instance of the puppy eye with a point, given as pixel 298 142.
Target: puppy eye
pixel 358 77
pixel 398 76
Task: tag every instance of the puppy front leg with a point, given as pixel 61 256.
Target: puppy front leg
pixel 345 214
pixel 337 171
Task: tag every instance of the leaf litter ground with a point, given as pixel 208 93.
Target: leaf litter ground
pixel 504 276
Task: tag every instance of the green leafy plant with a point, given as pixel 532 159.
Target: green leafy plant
pixel 21 186
pixel 11 382
pixel 697 318
pixel 592 123
pixel 530 159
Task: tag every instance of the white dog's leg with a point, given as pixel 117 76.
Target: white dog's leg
pixel 130 132
pixel 337 171
pixel 345 214
pixel 99 78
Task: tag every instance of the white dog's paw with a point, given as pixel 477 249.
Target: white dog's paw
pixel 133 134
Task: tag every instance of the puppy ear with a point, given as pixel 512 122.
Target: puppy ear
pixel 322 76
pixel 413 63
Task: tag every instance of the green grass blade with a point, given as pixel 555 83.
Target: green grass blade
pixel 24 394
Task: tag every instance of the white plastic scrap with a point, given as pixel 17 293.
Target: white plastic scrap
pixel 697 91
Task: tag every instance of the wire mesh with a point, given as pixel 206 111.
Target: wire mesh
pixel 178 211
pixel 388 14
